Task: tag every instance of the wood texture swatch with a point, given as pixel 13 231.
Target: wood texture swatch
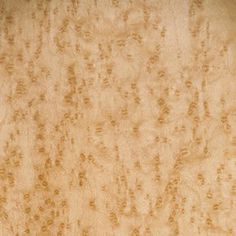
pixel 117 117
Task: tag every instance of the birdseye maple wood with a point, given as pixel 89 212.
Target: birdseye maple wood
pixel 117 117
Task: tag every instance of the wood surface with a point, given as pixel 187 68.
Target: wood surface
pixel 117 117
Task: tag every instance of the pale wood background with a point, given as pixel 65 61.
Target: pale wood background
pixel 117 117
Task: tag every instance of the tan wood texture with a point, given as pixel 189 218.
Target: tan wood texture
pixel 117 117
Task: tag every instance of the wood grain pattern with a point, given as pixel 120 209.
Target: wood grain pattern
pixel 117 117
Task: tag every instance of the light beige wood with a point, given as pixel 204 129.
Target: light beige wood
pixel 117 117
